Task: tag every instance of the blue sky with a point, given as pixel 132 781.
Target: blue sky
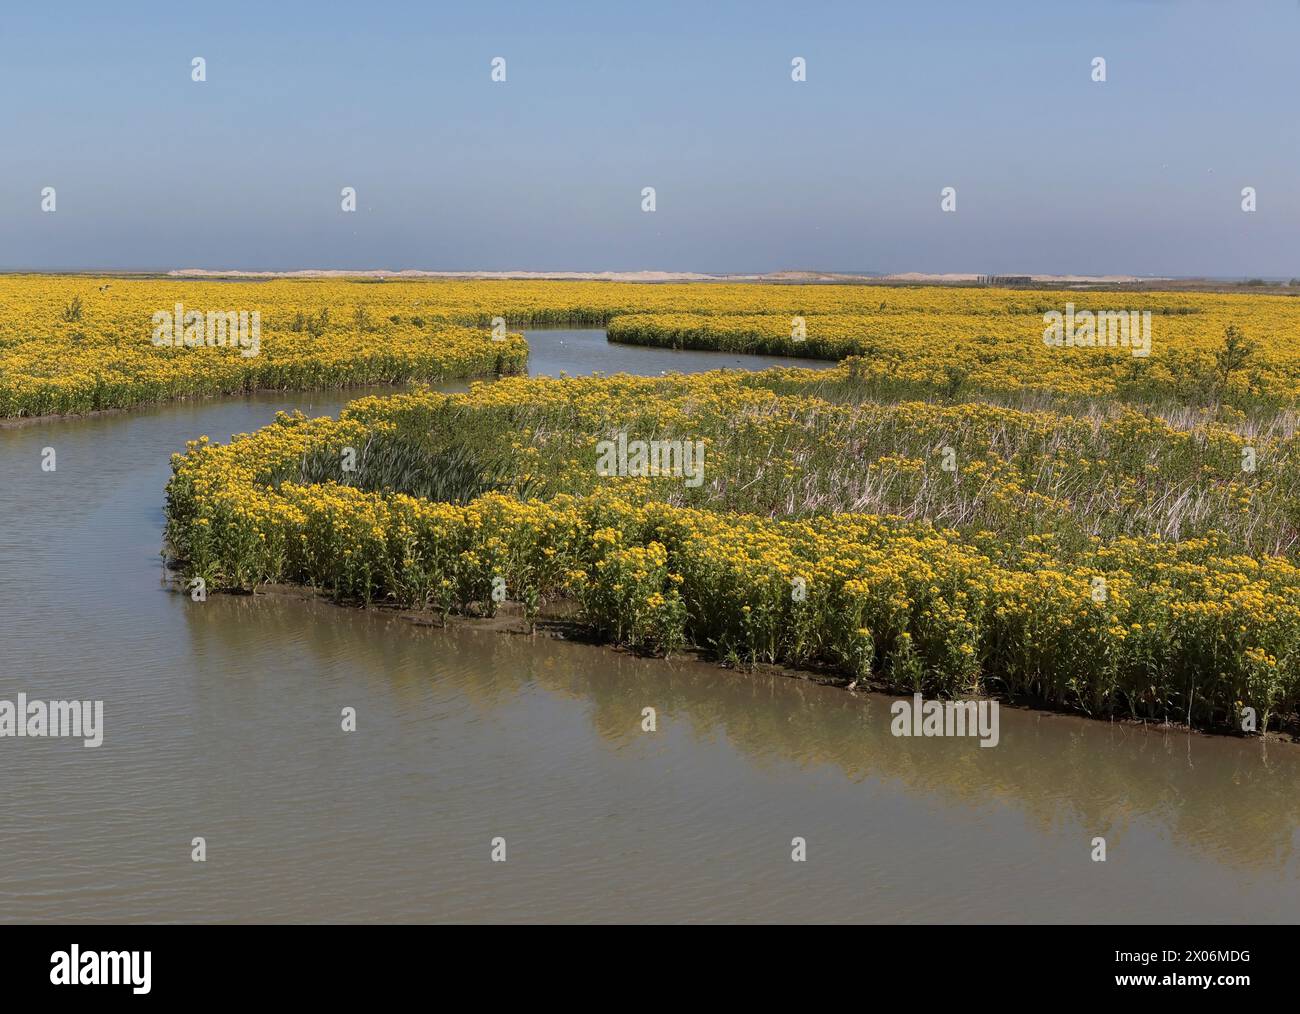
pixel 753 172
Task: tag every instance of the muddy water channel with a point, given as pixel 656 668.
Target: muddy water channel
pixel 222 721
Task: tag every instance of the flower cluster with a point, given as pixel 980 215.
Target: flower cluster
pixel 1132 625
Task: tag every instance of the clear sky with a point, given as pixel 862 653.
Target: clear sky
pixel 1054 172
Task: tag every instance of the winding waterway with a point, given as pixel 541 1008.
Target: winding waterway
pixel 222 720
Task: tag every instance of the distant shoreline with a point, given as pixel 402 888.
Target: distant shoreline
pixel 668 276
pixel 1280 286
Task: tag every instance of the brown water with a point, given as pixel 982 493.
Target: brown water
pixel 222 721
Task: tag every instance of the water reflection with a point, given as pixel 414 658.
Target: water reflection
pixel 1229 799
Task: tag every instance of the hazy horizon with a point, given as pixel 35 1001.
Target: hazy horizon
pixel 186 272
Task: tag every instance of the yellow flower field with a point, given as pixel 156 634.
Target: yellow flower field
pixel 982 351
pixel 75 343
pixel 961 505
pixel 1127 625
